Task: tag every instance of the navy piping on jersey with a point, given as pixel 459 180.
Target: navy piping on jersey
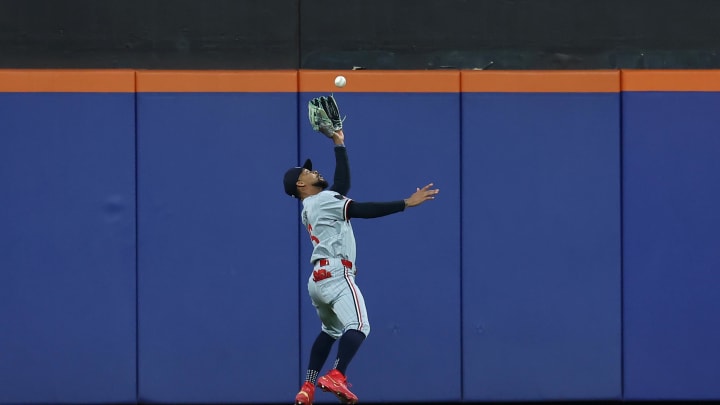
pixel 356 301
pixel 345 210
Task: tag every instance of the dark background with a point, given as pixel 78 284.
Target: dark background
pixel 373 34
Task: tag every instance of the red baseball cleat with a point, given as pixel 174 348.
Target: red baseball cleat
pixel 306 394
pixel 335 382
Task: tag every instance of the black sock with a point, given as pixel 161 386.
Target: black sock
pixel 349 344
pixel 318 354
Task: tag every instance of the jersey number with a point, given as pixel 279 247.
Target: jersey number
pixel 312 237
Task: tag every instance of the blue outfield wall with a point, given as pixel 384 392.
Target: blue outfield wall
pixel 67 248
pixel 671 231
pixel 148 252
pixel 218 259
pixel 541 246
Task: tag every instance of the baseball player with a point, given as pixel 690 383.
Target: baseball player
pixel 339 303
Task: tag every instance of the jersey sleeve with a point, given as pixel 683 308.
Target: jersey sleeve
pixel 374 209
pixel 341 181
pixel 333 205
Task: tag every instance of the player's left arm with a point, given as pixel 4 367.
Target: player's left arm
pixel 380 209
pixel 374 209
pixel 341 180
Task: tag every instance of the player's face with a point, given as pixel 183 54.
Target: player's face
pixel 313 178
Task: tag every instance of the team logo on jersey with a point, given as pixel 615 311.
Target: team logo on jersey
pixel 321 274
pixel 340 197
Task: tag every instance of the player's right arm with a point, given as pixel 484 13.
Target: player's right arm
pixel 341 179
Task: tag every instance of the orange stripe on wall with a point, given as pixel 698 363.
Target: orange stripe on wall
pixel 381 81
pixel 71 81
pixel 585 81
pixel 670 80
pixel 110 80
pixel 213 81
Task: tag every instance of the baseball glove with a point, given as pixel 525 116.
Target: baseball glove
pixel 324 115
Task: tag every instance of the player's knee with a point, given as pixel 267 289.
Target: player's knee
pixel 333 332
pixel 364 327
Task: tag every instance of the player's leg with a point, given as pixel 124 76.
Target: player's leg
pixel 349 308
pixel 350 343
pixel 322 345
pixel 318 355
pixel 331 331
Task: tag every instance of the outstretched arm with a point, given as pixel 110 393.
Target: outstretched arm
pixel 380 209
pixel 341 180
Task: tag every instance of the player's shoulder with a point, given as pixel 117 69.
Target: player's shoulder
pixel 315 198
pixel 329 195
pixel 335 195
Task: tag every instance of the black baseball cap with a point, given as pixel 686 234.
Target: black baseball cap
pixel 291 177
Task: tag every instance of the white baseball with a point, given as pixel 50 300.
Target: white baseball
pixel 340 81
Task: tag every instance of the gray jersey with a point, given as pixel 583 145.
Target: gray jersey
pixel 325 218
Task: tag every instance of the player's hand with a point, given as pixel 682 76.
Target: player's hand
pixel 338 137
pixel 421 195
